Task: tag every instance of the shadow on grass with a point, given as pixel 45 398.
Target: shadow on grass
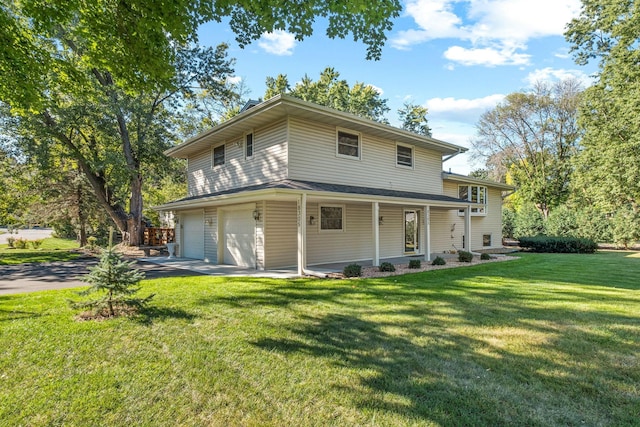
pixel 441 347
pixel 150 314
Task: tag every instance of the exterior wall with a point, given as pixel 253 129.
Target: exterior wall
pixel 312 157
pixel 211 235
pixel 442 222
pixel 269 163
pixel 280 234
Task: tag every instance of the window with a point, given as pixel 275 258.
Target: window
pixel 218 156
pixel 348 144
pixel 404 156
pixel 474 194
pixel 248 145
pixel 332 218
pixel 486 240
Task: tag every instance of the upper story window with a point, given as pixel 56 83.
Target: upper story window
pixel 218 155
pixel 475 194
pixel 348 144
pixel 332 218
pixel 404 156
pixel 248 145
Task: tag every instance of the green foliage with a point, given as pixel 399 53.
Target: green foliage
pixel 92 242
pixel 508 222
pixel 387 267
pixel 626 229
pixel 529 222
pixel 352 270
pixel 464 256
pixel 485 256
pixel 20 243
pixel 562 222
pixel 117 281
pixel 414 119
pixel 438 261
pixel 558 244
pixel 414 263
pixel 35 244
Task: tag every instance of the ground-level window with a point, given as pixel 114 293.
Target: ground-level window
pixel 404 156
pixel 475 194
pixel 248 145
pixel 348 144
pixel 218 155
pixel 486 240
pixel 332 218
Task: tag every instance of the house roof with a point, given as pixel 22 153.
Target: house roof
pixel 470 180
pixel 281 106
pixel 314 187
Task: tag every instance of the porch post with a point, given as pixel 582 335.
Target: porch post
pixel 467 228
pixel 375 215
pixel 427 233
pixel 302 233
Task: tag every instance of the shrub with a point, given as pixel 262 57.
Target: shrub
pixel 558 245
pixel 439 261
pixel 485 257
pixel 414 263
pixel 20 243
pixel 35 244
pixel 464 256
pixel 387 266
pixel 562 222
pixel 11 241
pixel 92 242
pixel 508 222
pixel 352 270
pixel 529 222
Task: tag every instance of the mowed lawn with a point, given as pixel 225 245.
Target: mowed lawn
pixel 52 249
pixel 540 341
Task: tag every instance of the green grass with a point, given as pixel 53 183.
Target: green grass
pixel 52 249
pixel 547 340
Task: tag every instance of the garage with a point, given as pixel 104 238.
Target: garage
pixel 193 235
pixel 240 238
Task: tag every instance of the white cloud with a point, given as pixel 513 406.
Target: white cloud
pixel 461 110
pixel 234 80
pixel 497 30
pixel 487 56
pixel 278 43
pixel 552 74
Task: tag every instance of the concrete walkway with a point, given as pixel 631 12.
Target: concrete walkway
pixel 199 266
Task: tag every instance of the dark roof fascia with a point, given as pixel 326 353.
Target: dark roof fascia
pixel 468 179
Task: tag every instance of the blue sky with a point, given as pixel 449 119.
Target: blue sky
pixel 458 58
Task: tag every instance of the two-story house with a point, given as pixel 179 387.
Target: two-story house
pixel 288 183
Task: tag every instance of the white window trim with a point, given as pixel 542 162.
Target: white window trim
pixel 413 156
pixel 344 156
pixel 244 145
pixel 213 165
pixel 344 218
pixel 475 206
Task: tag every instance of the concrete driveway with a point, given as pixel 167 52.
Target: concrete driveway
pixel 28 234
pixel 20 278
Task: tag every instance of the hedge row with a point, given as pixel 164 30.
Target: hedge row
pixel 571 245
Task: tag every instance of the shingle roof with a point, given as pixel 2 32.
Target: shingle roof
pixel 331 188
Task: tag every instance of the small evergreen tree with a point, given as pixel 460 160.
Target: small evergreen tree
pixel 118 281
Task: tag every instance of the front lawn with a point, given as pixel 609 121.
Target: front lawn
pixel 540 341
pixel 52 249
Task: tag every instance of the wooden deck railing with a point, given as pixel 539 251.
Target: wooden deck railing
pixel 156 236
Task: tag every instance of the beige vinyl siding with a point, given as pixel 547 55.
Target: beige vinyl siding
pixel 178 231
pixel 391 231
pixel 352 244
pixel 312 155
pixel 269 163
pixel 281 234
pixel 211 235
pixel 441 234
pixel 260 236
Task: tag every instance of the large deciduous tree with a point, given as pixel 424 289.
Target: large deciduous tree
pixel 100 82
pixel 608 168
pixel 532 136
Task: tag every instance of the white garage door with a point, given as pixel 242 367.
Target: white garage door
pixel 193 235
pixel 240 238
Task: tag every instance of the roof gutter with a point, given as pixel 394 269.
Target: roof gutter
pixel 451 156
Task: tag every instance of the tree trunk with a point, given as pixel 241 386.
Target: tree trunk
pixel 134 222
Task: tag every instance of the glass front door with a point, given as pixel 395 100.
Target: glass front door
pixel 411 231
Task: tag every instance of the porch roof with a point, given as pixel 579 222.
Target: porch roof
pixel 312 189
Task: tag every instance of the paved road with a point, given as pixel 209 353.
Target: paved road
pixel 30 234
pixel 33 277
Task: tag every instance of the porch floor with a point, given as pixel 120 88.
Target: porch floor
pixel 202 267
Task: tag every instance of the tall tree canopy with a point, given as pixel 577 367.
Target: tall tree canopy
pixel 533 136
pixel 414 118
pixel 608 168
pixel 329 90
pixel 101 82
